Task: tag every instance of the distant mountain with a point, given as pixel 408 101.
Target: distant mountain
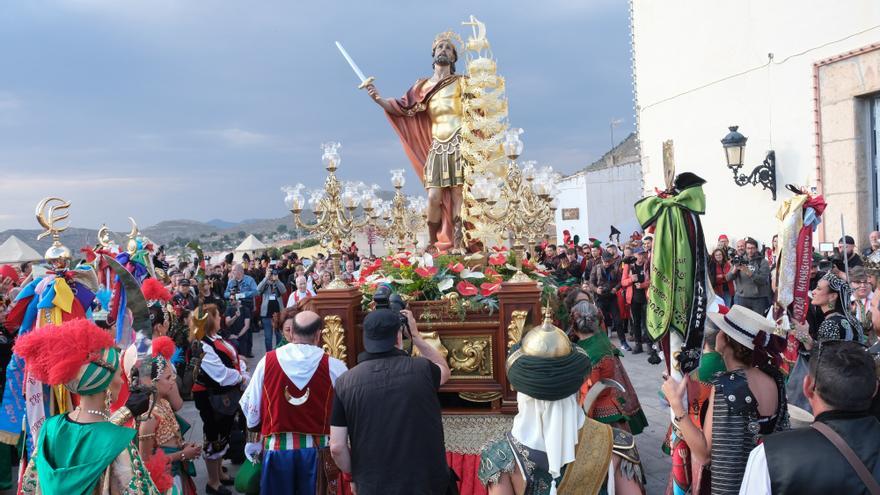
pixel 221 224
pixel 214 235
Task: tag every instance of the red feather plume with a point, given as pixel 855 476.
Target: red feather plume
pixel 159 466
pixel 154 291
pixel 165 346
pixel 54 354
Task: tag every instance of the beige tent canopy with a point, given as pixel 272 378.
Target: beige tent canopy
pixel 250 245
pixel 14 250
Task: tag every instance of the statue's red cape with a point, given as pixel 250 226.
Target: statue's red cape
pixel 413 126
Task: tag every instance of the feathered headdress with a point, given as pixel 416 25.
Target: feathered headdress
pixel 154 291
pixel 77 354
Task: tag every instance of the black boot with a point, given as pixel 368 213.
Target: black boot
pixel 638 348
pixel 653 357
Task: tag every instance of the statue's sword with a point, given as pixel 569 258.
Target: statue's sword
pixel 365 81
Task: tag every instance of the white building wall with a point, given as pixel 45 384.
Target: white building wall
pixel 611 194
pixel 572 194
pixel 604 197
pixel 687 56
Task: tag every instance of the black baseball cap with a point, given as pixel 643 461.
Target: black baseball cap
pixel 380 330
pixel 848 240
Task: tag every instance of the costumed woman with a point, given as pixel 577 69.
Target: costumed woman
pixel 553 447
pixel 747 402
pixel 216 393
pixel 83 452
pixel 829 318
pixel 688 473
pixel 163 430
pixel 62 294
pixel 612 407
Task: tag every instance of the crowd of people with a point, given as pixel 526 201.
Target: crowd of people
pixel 300 421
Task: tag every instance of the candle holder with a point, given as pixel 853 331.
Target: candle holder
pixel 334 207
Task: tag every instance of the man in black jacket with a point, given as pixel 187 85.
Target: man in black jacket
pixel 840 386
pixel 386 431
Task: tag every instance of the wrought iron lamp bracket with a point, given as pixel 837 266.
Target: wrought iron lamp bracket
pixel 764 174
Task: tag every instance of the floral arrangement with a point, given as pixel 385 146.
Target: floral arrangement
pixel 473 280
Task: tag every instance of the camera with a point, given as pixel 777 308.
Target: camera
pixel 738 260
pixel 385 298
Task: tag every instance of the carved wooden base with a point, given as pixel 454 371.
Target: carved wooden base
pixel 474 342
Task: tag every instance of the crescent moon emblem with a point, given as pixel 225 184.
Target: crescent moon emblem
pixel 46 215
pixel 296 401
pixel 134 228
pixel 104 236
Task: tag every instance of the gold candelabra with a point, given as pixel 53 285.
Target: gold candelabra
pixel 334 208
pixel 523 203
pixel 402 217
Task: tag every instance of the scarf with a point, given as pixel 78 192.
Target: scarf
pixel 549 378
pixel 550 426
pixel 678 292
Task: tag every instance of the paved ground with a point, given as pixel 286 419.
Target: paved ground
pixel 646 379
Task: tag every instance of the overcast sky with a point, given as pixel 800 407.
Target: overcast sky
pixel 164 109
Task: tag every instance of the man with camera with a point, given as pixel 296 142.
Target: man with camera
pixel 241 289
pixel 387 408
pixel 605 281
pixel 272 289
pixel 751 276
pixel 636 280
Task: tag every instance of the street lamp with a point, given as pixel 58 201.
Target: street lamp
pixel 734 145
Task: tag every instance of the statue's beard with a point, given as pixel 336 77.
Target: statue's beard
pixel 442 59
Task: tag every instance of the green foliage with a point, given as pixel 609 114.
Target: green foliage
pixel 281 229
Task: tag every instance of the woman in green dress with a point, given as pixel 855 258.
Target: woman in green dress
pixel 83 452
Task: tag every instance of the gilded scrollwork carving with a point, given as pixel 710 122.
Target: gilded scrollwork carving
pixel 333 336
pixel 433 339
pixel 471 357
pixel 516 327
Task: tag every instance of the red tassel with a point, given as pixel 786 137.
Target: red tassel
pixel 159 466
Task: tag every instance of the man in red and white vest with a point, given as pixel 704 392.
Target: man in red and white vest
pixel 302 292
pixel 287 405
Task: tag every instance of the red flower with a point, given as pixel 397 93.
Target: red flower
pixel 400 262
pixel 466 288
pixel 456 267
pixel 487 289
pixel 426 272
pixel 499 249
pixel 498 259
pixel 491 274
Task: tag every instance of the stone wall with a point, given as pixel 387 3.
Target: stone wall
pixel 843 129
